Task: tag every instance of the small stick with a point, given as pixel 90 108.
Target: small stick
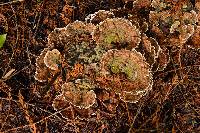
pixel 11 2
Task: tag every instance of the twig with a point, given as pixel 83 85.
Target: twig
pixel 137 113
pixel 12 2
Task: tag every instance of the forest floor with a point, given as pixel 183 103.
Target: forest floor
pixel 173 104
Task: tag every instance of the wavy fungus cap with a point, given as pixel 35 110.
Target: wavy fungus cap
pixel 52 59
pixel 74 42
pixel 125 71
pixel 79 94
pixel 73 32
pixel 116 33
pixel 41 73
pixel 196 38
pixel 175 19
pixel 47 64
pixel 99 16
pixel 78 27
pixel 150 49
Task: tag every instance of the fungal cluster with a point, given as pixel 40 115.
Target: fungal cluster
pixel 114 54
pixel 176 20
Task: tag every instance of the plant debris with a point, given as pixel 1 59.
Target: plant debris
pixel 100 66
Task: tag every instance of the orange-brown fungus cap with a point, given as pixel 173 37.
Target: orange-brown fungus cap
pixel 125 71
pixel 52 59
pixel 116 33
pixel 44 70
pixel 73 32
pixel 41 73
pixel 196 38
pixel 99 16
pixel 79 94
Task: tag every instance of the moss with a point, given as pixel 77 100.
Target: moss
pixel 114 37
pixel 110 39
pixel 115 65
pixel 115 68
pixel 130 72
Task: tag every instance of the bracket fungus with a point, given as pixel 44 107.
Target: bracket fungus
pixel 175 19
pixel 150 48
pixel 111 53
pixel 196 38
pixel 99 16
pixel 52 59
pixel 75 32
pixel 126 72
pixel 79 94
pixel 47 64
pixel 69 111
pixel 74 42
pixel 116 33
pixel 42 70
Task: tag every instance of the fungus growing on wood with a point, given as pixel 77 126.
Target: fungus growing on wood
pixel 68 111
pixel 42 71
pixel 106 51
pixel 59 103
pixel 52 59
pixel 74 42
pixel 75 32
pixel 196 38
pixel 176 20
pixel 151 49
pixel 99 16
pixel 125 71
pixel 79 94
pixel 116 33
pixel 47 64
